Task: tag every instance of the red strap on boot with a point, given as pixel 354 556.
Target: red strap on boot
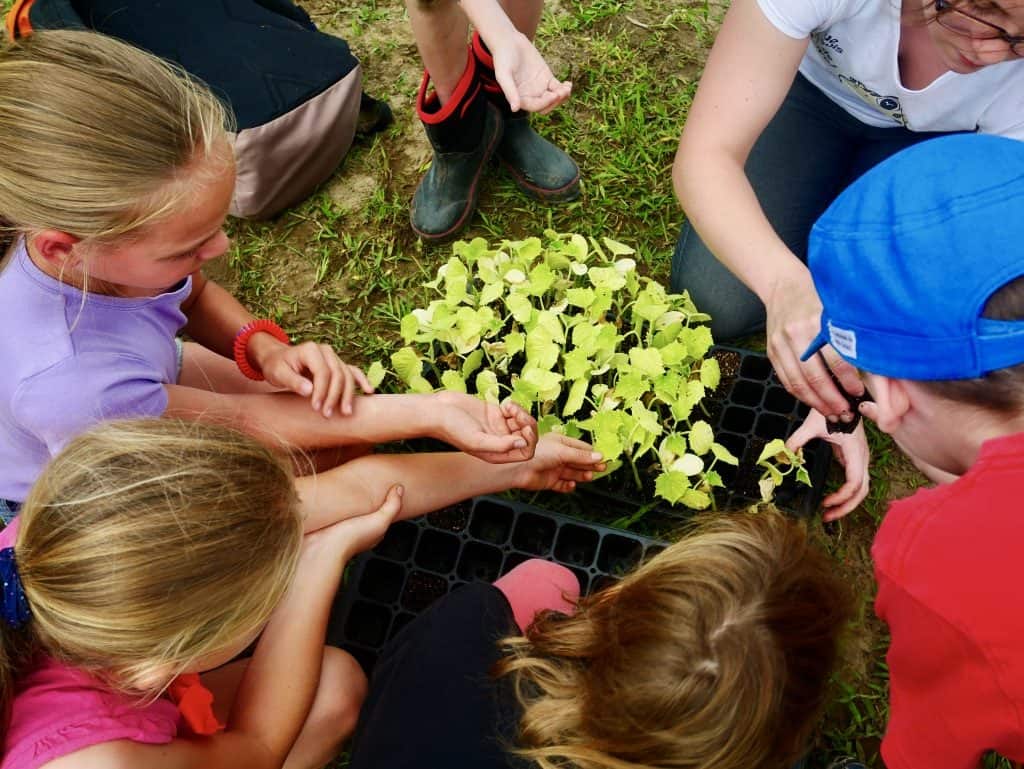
pixel 17 22
pixel 462 95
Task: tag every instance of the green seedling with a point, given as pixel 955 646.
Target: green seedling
pixel 778 462
pixel 568 329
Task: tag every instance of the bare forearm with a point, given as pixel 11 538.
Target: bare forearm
pixel 214 316
pixel 748 73
pixel 729 219
pixel 285 417
pixel 431 482
pixel 280 682
pixel 488 18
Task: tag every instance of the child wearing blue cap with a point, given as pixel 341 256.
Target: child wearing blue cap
pixel 920 268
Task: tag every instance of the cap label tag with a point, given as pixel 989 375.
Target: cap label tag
pixel 843 340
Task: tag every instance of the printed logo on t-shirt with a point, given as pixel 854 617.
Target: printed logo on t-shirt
pixel 843 340
pixel 887 105
pixel 826 43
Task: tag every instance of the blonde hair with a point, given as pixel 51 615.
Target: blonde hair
pixel 716 653
pixel 148 544
pixel 99 138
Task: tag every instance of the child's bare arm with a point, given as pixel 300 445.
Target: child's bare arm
pixel 309 369
pixel 524 76
pixel 433 481
pixel 496 434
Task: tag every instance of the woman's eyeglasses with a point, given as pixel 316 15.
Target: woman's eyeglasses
pixel 969 25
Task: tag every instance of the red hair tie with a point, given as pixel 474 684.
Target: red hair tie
pixel 241 345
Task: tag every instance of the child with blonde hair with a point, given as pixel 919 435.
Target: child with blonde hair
pixel 115 181
pixel 716 653
pixel 150 551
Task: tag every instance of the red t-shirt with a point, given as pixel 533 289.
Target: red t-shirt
pixel 946 562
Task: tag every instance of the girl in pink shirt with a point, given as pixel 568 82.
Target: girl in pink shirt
pixel 151 553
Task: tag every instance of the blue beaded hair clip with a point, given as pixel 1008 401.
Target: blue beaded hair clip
pixel 14 604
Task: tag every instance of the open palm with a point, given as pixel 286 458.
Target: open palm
pixel 493 432
pixel 525 77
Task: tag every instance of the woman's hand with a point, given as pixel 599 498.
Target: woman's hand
pixel 312 370
pixel 524 76
pixel 559 464
pixel 851 449
pixel 794 318
pixel 496 433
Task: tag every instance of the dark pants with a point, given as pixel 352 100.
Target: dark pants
pixel 810 151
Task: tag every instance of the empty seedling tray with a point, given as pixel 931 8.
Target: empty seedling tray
pixel 420 560
pixel 749 408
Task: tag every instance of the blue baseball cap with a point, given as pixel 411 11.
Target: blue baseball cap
pixel 905 259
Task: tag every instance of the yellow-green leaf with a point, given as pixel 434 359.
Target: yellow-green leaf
pixel 772 450
pixel 487 386
pixel 701 437
pixel 376 373
pixel 722 454
pixel 577 393
pixel 473 361
pixel 710 373
pixel 671 486
pixel 407 364
pixel 695 499
pixel 647 360
pixel 452 380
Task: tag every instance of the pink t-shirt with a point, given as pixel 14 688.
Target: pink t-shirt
pixel 58 710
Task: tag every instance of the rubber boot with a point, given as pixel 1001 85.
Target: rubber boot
pixel 464 133
pixel 539 168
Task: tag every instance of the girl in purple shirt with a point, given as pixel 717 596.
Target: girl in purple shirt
pixel 115 180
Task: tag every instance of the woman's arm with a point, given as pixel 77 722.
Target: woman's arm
pixel 433 481
pixel 749 71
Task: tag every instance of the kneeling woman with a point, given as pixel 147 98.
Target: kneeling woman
pixel 715 653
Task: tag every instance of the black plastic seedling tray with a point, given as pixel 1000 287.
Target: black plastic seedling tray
pixel 749 408
pixel 420 560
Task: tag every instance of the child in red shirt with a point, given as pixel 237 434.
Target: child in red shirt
pixel 920 267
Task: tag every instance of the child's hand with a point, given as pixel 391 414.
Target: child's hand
pixel 494 433
pixel 524 76
pixel 851 449
pixel 315 371
pixel 559 464
pixel 360 532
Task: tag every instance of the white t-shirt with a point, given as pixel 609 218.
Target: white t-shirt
pixel 852 58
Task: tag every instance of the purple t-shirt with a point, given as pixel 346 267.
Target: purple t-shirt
pixel 68 361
